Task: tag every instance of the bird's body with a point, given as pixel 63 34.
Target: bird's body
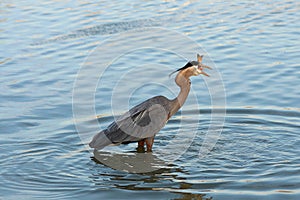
pixel 138 117
pixel 142 122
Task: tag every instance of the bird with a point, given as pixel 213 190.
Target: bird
pixel 142 122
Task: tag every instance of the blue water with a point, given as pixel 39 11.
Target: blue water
pixel 253 47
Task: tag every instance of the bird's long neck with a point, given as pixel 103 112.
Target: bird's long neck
pixel 183 81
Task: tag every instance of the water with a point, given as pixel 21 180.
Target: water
pixel 254 45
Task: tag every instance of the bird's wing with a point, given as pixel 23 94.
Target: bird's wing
pixel 142 121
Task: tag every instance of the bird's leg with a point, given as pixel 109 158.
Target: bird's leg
pixel 149 143
pixel 141 146
pixel 141 143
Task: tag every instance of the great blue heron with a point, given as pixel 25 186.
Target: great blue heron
pixel 142 122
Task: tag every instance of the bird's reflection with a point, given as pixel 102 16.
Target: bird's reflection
pixel 149 170
pixel 132 162
pixel 188 196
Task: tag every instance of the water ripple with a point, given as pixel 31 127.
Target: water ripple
pixel 105 29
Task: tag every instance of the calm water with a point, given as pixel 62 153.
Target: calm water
pixel 253 45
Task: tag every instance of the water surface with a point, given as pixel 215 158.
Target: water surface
pixel 253 44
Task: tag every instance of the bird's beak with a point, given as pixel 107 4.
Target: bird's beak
pixel 201 69
pixel 204 73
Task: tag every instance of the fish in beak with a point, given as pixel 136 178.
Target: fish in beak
pixel 202 66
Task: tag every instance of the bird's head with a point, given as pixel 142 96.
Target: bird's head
pixel 193 68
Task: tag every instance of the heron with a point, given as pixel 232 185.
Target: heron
pixel 142 122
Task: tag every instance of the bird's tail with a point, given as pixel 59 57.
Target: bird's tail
pixel 100 141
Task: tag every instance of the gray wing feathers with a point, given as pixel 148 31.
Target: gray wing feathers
pixel 100 141
pixel 142 121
